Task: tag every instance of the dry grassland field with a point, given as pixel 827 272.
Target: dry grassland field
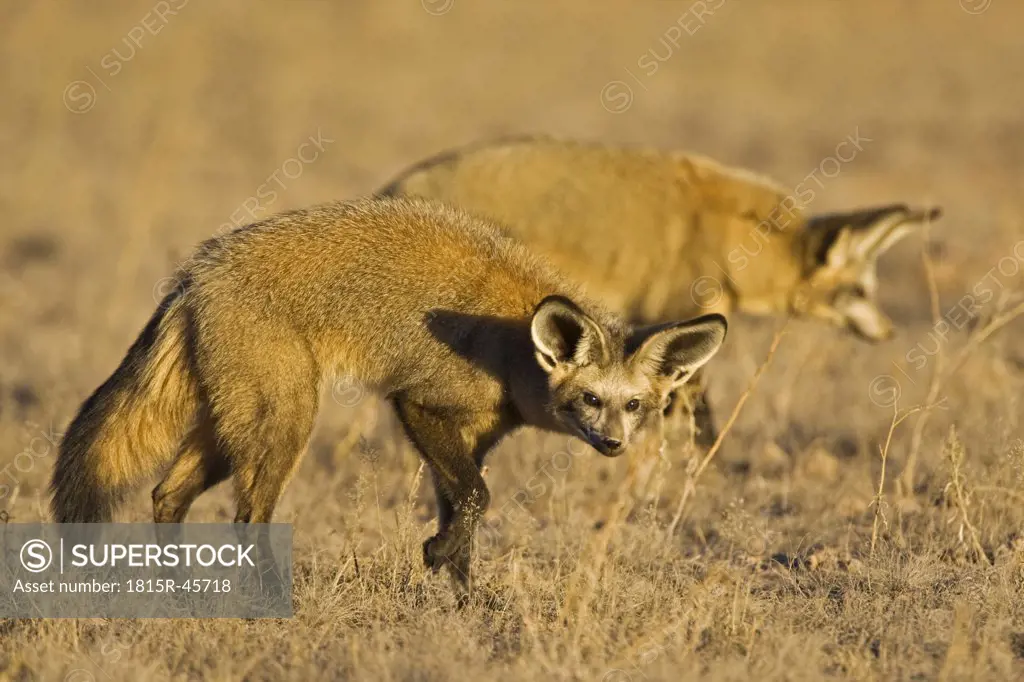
pixel 799 554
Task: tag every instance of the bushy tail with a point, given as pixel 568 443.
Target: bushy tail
pixel 131 425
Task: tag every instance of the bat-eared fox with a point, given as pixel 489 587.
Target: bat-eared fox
pixel 666 235
pixel 465 332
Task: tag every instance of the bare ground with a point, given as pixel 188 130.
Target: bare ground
pixel 115 164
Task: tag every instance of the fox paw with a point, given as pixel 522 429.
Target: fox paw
pixel 431 557
pixel 437 552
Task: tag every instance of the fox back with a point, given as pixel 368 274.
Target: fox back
pixel 659 235
pixel 379 291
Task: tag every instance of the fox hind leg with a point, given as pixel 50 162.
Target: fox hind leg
pixel 264 438
pixel 198 467
pixel 268 449
pixel 263 402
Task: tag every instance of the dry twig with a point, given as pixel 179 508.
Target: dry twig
pixel 691 481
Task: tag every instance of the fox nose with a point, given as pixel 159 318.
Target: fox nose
pixel 612 444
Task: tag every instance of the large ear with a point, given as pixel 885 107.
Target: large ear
pixel 863 236
pixel 563 334
pixel 678 349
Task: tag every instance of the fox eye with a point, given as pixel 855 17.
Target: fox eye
pixel 591 399
pixel 633 405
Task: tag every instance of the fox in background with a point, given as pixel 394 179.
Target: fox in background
pixel 465 332
pixel 663 235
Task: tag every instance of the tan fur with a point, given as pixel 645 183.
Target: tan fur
pixel 434 309
pixel 659 236
pixel 637 227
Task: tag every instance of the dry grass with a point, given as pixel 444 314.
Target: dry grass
pixel 769 573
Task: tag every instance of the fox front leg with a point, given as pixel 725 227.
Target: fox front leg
pixel 452 445
pixel 457 523
pixel 689 415
pixel 704 421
